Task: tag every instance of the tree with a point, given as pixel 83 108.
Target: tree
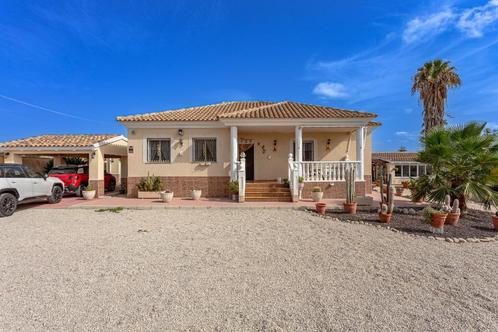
pixel 463 159
pixel 432 81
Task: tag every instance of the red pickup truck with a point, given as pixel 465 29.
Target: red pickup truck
pixel 75 178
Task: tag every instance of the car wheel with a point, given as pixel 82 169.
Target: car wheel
pixel 56 196
pixel 8 204
pixel 111 186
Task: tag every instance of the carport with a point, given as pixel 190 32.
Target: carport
pixel 100 150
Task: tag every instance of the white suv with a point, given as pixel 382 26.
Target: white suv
pixel 19 182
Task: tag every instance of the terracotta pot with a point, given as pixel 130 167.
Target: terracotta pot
pixel 385 218
pixel 350 208
pixel 406 185
pixel 320 208
pixel 452 218
pixel 495 222
pixel 438 219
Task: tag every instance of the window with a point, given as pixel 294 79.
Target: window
pixel 308 150
pixel 421 170
pixel 14 172
pixel 31 173
pixel 405 171
pixel 397 171
pixel 413 171
pixel 204 149
pixel 158 150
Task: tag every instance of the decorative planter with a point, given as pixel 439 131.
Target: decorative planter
pixel 438 219
pixel 235 197
pixel 317 196
pixel 452 218
pixel 405 184
pixel 149 194
pixel 301 185
pixel 350 208
pixel 385 218
pixel 166 196
pixel 88 195
pixel 196 194
pixel 494 219
pixel 320 208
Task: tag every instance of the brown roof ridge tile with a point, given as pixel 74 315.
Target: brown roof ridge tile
pixel 250 109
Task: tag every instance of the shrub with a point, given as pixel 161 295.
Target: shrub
pixel 300 179
pixel 88 188
pixel 429 212
pixel 316 190
pixel 233 187
pixel 150 183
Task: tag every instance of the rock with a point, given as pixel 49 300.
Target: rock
pixel 440 238
pixel 412 211
pixel 449 239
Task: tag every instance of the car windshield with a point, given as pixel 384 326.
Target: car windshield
pixel 63 170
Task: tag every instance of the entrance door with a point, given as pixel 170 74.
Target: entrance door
pixel 250 163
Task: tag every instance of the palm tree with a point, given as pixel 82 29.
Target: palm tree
pixel 464 160
pixel 432 82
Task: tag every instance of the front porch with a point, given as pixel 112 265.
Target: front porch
pixel 318 155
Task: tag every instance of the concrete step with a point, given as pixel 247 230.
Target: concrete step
pixel 269 195
pixel 269 199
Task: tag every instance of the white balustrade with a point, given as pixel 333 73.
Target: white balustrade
pixel 241 177
pixel 324 171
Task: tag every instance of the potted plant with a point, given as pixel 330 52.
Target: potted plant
pixel 167 196
pixel 350 204
pixel 150 187
pixel 399 191
pixel 405 184
pixel 285 181
pixel 88 192
pixel 300 180
pixel 386 201
pixel 494 219
pixel 436 218
pixel 320 208
pixel 316 194
pixel 454 211
pixel 233 188
pixel 196 193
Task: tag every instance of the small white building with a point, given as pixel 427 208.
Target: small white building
pixel 403 164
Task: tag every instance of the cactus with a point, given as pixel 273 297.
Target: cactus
pixel 383 208
pixel 350 186
pixel 388 198
pixel 455 208
pixel 446 207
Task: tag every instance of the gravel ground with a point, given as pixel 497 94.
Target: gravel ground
pixel 208 269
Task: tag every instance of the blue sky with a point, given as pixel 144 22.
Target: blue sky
pixel 72 66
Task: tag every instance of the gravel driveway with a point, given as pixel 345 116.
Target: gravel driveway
pixel 256 269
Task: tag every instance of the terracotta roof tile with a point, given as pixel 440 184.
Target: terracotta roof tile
pixel 249 110
pixel 395 156
pixel 57 141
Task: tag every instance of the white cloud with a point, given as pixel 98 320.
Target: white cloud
pixel 401 133
pixel 422 27
pixel 492 125
pixel 330 90
pixel 473 21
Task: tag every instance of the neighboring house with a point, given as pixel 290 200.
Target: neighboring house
pixel 201 147
pixel 403 164
pixel 36 151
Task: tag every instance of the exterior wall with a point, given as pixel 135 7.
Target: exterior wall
pixel 181 156
pixel 37 164
pixel 211 186
pixel 1 160
pixel 338 189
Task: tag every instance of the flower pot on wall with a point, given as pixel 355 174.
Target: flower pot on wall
pixel 88 195
pixel 317 196
pixel 166 196
pixel 196 194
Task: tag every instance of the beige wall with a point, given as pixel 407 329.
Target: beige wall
pixel 267 166
pixel 1 159
pixel 181 157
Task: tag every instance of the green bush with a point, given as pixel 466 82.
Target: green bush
pixel 316 190
pixel 233 187
pixel 150 183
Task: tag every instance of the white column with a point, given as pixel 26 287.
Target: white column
pixel 299 144
pixel 360 151
pixel 234 152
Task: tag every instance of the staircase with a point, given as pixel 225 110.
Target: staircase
pixel 267 191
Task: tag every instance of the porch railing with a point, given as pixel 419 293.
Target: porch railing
pixel 326 171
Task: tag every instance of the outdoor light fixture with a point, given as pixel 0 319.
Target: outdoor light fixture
pixel 92 154
pixel 132 132
pixel 180 132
